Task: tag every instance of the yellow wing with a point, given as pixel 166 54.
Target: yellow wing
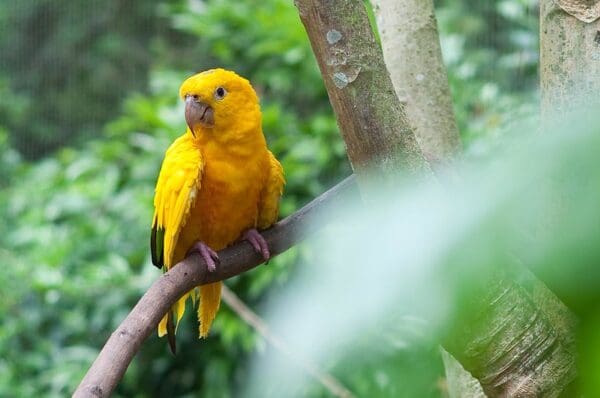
pixel 268 207
pixel 178 184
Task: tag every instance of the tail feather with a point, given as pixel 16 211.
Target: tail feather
pixel 171 333
pixel 210 299
pixel 168 325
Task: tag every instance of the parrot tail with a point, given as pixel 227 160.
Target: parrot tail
pixel 171 332
pixel 210 298
pixel 168 325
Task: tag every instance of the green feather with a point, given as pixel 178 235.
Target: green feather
pixel 156 246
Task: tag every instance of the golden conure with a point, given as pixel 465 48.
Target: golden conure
pixel 218 184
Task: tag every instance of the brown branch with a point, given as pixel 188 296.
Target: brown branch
pixel 332 385
pixel 112 362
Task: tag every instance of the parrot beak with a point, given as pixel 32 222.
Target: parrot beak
pixel 198 113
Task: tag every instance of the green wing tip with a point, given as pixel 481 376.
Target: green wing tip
pixel 156 246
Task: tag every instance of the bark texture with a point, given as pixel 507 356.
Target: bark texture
pixel 569 61
pixel 511 344
pixel 570 82
pixel 584 10
pixel 412 53
pixel 378 137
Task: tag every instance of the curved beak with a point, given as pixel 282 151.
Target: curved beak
pixel 198 113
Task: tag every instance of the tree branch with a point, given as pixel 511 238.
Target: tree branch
pixel 332 385
pixel 112 362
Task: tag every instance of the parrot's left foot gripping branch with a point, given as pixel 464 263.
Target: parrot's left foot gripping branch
pixel 211 258
pixel 258 243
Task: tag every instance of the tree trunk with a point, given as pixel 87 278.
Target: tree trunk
pixel 412 53
pixel 114 358
pixel 411 48
pixel 413 56
pixel 569 58
pixel 511 344
pixel 570 82
pixel 379 140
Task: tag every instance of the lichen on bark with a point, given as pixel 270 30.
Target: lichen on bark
pixel 379 140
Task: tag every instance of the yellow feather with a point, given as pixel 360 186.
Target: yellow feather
pixel 180 307
pixel 211 297
pixel 162 327
pixel 216 182
pixel 269 203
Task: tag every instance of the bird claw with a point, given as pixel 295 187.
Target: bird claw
pixel 211 258
pixel 258 243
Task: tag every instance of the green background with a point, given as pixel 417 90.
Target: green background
pixel 88 105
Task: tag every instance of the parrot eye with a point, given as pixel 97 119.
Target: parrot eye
pixel 220 93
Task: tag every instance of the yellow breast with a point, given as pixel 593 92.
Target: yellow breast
pixel 227 202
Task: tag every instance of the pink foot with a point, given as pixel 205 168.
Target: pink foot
pixel 211 258
pixel 258 243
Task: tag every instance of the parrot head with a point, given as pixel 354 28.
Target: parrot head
pixel 220 104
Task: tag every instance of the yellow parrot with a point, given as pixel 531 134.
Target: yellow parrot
pixel 218 183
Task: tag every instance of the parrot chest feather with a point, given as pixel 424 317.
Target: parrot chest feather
pixel 225 205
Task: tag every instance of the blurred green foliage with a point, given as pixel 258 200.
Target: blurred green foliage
pixel 491 50
pixel 88 104
pixel 67 65
pixel 452 262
